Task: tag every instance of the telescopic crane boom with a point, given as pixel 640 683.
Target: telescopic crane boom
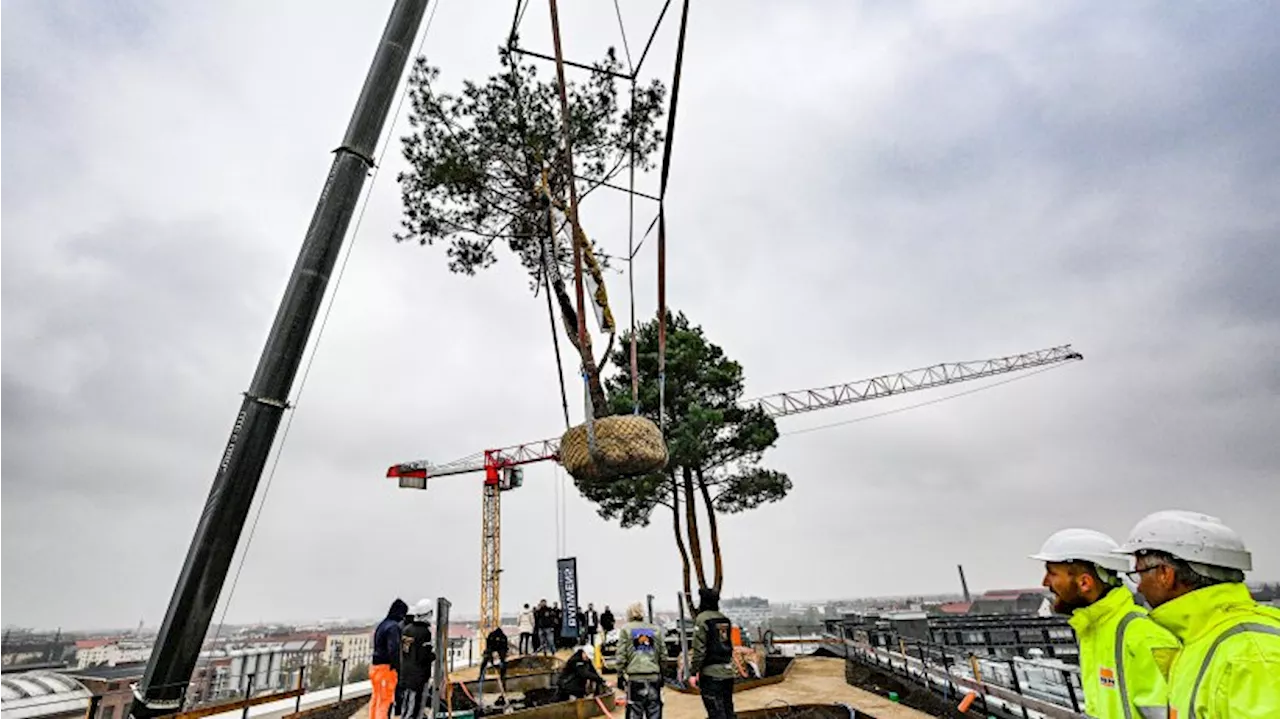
pixel 502 466
pixel 164 682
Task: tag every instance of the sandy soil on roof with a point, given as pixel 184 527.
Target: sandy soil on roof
pixel 813 680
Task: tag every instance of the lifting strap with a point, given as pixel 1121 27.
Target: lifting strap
pixel 662 223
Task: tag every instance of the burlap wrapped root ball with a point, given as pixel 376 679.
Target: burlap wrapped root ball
pixel 626 446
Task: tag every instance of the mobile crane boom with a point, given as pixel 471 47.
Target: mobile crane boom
pixel 186 621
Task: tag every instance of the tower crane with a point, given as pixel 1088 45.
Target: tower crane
pixel 503 468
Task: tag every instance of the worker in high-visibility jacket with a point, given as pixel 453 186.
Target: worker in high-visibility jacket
pixel 1190 567
pixel 1124 656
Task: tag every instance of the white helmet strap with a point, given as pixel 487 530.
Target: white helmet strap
pixel 1108 577
pixel 1222 574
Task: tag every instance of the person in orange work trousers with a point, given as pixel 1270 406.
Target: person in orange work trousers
pixel 384 669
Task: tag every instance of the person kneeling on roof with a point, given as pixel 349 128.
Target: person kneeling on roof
pixel 496 647
pixel 579 678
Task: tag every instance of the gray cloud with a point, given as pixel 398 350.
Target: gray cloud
pixel 855 190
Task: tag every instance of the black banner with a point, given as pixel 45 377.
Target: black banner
pixel 567 578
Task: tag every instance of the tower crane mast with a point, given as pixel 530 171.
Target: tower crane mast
pixel 503 467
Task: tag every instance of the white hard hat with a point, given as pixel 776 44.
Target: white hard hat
pixel 1083 545
pixel 423 609
pixel 1189 536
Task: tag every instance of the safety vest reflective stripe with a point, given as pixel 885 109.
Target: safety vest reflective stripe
pixel 1124 688
pixel 1208 658
pixel 1154 712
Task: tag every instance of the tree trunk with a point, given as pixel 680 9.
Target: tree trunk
pixel 599 401
pixel 714 528
pixel 569 315
pixel 691 524
pixel 604 358
pixel 684 552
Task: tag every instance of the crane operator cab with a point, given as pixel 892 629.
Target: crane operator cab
pixel 511 478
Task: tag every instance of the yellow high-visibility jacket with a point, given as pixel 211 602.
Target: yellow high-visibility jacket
pixel 1124 658
pixel 1229 667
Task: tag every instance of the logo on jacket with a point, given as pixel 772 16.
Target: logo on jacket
pixel 643 640
pixel 1107 677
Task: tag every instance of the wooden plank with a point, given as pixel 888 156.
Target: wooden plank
pixel 516 684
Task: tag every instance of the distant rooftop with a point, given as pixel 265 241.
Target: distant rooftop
pixel 41 693
pixel 1011 593
pixel 744 602
pixel 906 614
pixel 91 643
pixel 259 648
pixel 120 671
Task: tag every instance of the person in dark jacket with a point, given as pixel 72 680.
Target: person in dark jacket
pixel 385 664
pixel 579 678
pixel 606 619
pixel 496 647
pixel 591 623
pixel 398 705
pixel 416 660
pixel 557 625
pixel 711 662
pixel 547 619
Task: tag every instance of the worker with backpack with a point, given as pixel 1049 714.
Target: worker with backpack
pixel 416 660
pixel 711 662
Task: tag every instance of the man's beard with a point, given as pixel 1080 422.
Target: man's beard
pixel 1067 605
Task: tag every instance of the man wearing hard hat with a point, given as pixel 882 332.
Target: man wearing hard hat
pixel 1124 656
pixel 1190 567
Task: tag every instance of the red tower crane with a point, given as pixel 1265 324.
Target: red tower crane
pixel 502 467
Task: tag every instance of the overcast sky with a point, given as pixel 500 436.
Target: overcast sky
pixel 857 188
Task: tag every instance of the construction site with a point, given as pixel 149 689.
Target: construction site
pixel 565 165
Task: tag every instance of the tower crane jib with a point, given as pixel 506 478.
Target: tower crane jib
pixel 497 464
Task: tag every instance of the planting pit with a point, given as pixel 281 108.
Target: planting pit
pixel 531 696
pixel 775 671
